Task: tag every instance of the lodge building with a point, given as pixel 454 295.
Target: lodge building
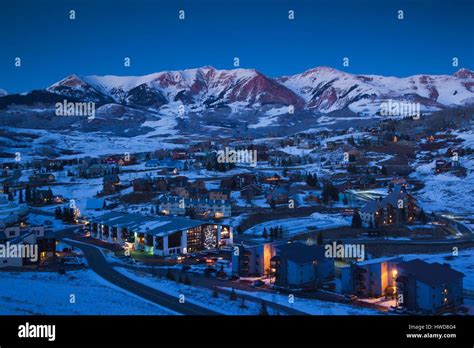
pixel 160 235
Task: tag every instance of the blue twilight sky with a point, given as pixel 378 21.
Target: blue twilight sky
pixel 215 31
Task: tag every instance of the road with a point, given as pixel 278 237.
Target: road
pixel 99 265
pixel 103 268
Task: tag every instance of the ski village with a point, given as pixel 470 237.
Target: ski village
pixel 320 193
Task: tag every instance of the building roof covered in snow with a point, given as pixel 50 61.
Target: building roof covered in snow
pixel 153 225
pixel 300 252
pixel 430 273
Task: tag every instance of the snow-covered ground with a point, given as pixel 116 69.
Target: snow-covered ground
pixel 57 225
pixel 196 295
pixel 447 192
pixel 314 307
pixel 48 293
pixel 293 226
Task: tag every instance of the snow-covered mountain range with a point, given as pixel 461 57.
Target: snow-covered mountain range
pixel 246 91
pixel 320 89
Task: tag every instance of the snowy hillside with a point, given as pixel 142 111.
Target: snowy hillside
pixel 327 89
pixel 321 89
pixel 205 86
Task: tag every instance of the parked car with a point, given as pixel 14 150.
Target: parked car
pixel 209 270
pixel 185 268
pixel 201 260
pixel 209 260
pixel 329 286
pixel 258 284
pixel 350 298
pixel 176 257
pixel 71 260
pixel 130 260
pixel 234 277
pixel 401 310
pixel 222 263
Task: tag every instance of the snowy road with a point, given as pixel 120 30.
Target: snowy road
pixel 99 265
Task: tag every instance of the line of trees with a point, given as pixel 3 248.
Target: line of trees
pixel 66 214
pixel 275 233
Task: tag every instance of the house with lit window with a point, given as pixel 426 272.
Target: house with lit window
pixel 110 184
pixel 397 208
pixel 25 237
pixel 160 235
pixel 370 278
pixel 178 206
pixel 41 178
pixel 428 288
pixel 252 260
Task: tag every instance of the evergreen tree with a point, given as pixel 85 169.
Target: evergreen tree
pixel 20 197
pixel 49 195
pixel 422 216
pixel 242 304
pixel 264 234
pixel 356 220
pixel 345 201
pixel 330 193
pixel 233 295
pixel 272 203
pixel 58 213
pixel 215 294
pixel 34 196
pixel 320 240
pixel 169 275
pixel 263 309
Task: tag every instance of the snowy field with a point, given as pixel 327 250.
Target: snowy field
pixel 313 307
pixel 49 293
pixel 196 295
pixel 293 226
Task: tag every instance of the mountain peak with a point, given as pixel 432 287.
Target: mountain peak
pixel 323 69
pixel 207 67
pixel 321 88
pixel 464 73
pixel 72 80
